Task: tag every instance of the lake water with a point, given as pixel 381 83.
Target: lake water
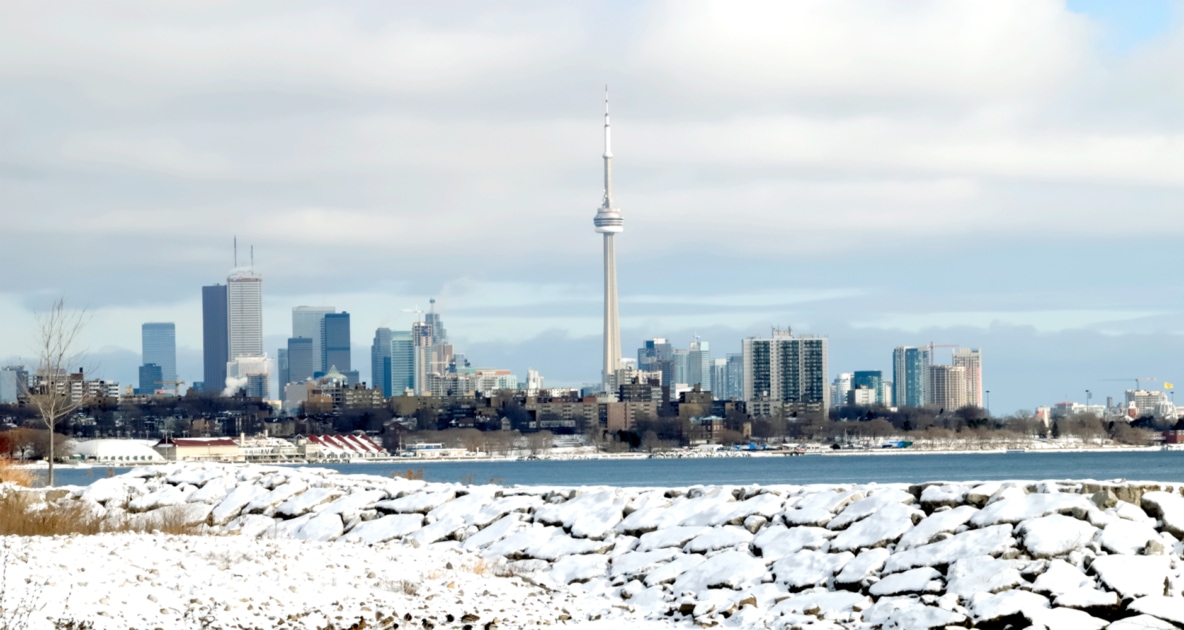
pixel 895 468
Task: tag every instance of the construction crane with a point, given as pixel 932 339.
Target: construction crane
pixel 932 345
pixel 418 313
pixel 1148 379
pixel 176 386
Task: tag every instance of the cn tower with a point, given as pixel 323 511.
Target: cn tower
pixel 608 222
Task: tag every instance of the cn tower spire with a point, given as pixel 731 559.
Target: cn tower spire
pixel 608 222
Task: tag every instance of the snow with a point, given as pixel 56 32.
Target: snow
pixel 1168 507
pixel 719 538
pixel 1127 537
pixel 1166 608
pixel 777 541
pixel 988 607
pixel 1063 619
pixel 937 523
pixel 1061 577
pixel 1141 622
pixel 317 549
pixel 981 574
pixel 731 569
pixel 893 613
pixel 1054 535
pixel 989 541
pixel 922 580
pixel 1027 506
pixel 886 525
pixel 809 568
pixel 1132 576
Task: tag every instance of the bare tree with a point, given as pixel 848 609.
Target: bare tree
pixel 57 340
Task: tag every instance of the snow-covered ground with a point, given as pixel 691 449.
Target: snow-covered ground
pixel 308 548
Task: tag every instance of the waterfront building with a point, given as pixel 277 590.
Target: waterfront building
pixel 972 360
pixel 910 372
pixel 215 339
pixel 947 387
pixel 335 342
pixel 657 355
pixel 158 344
pixel 788 369
pixel 308 322
pixel 609 222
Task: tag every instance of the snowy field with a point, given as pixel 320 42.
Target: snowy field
pixel 307 548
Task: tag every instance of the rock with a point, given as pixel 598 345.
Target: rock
pixel 754 523
pixel 1104 498
pixel 1141 622
pixel 1054 535
pixel 1133 576
pixel 922 580
pixel 1008 604
pixel 1168 507
pixel 1154 548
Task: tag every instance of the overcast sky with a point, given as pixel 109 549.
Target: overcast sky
pixel 999 174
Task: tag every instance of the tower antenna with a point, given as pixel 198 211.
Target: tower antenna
pixel 236 251
pixel 252 258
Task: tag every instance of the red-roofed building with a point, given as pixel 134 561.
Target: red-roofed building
pixel 341 448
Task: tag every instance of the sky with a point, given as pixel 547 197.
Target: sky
pixel 1001 174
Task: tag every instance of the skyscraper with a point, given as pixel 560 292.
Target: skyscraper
pixel 421 339
pixel 301 363
pixel 719 378
pixel 214 337
pixel 281 362
pixel 432 318
pixel 787 369
pixel 910 376
pixel 608 222
pixel 151 376
pixel 392 361
pixel 972 360
pixel 699 365
pixel 158 344
pixel 657 355
pixel 306 322
pixel 335 348
pixel 735 389
pixel 244 313
pixel 869 379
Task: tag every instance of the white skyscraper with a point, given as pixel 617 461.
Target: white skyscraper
pixel 244 313
pixel 307 322
pixel 972 360
pixel 608 222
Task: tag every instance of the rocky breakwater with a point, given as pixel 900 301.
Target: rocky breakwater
pixel 1056 554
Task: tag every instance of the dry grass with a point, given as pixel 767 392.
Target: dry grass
pixel 10 473
pixel 27 514
pixel 410 474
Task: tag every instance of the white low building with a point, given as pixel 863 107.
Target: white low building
pixel 117 452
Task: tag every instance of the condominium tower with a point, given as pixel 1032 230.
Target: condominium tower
pixel 214 337
pixel 788 369
pixel 972 360
pixel 159 346
pixel 910 375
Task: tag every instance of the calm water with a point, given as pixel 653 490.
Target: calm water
pixel 1154 465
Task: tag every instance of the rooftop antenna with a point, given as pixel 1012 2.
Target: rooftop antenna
pixel 236 251
pixel 252 258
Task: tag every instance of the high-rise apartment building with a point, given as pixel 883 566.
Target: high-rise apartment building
pixel 787 369
pixel 302 364
pixel 699 365
pixel 869 379
pixel 657 355
pixel 215 337
pixel 13 382
pixel 335 345
pixel 839 389
pixel 402 370
pixel 910 374
pixel 972 360
pixel 380 361
pixel 307 322
pixel 719 378
pixel 947 387
pixel 421 339
pixel 244 313
pixel 158 345
pixel 735 389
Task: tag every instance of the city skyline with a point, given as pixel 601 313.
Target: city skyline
pixel 800 175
